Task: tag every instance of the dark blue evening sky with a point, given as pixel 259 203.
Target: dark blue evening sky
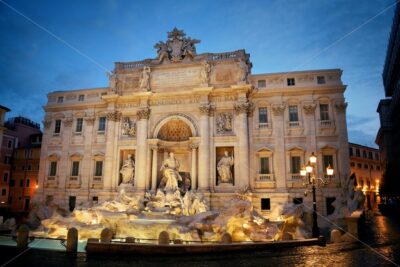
pixel 281 35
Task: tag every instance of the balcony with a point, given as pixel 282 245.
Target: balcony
pixel 295 180
pixel 294 124
pixel 263 125
pixel 74 181
pixel 326 123
pixel 51 181
pixel 97 182
pixel 264 181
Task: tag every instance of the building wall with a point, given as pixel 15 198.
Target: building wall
pixel 25 178
pixel 220 110
pixel 6 152
pixel 366 164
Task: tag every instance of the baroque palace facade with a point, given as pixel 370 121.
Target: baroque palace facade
pixel 227 130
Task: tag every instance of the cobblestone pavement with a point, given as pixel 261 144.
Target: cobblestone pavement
pixel 381 233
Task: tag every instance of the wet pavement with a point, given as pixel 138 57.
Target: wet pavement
pixel 380 247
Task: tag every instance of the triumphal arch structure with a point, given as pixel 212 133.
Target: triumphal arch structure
pixel 202 119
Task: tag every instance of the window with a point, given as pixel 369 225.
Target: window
pixel 370 155
pixel 378 168
pixel 359 165
pixel 7 160
pixel 5 177
pixel 352 164
pixel 9 144
pixel 12 183
pixel 262 115
pixel 28 153
pixel 81 97
pixel 295 164
pixel 75 168
pixel 376 156
pixel 324 112
pixel 23 167
pixel 350 151
pixel 79 123
pixel 53 168
pixel 3 192
pixel 29 167
pixel 366 166
pixel 293 113
pixel 21 183
pixel 290 82
pixel 95 199
pixel 357 152
pixel 364 154
pixel 28 183
pixel 9 200
pixel 265 204
pixel 102 124
pixel 320 79
pixel 261 84
pixel 264 165
pixel 327 160
pixel 57 126
pixel 98 168
pixel 297 200
pixel 329 207
pixel 60 99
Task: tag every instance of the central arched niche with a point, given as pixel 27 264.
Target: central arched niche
pixel 175 130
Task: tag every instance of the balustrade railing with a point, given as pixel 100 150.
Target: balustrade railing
pixel 265 177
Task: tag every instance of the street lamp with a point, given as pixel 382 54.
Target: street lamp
pixel 312 180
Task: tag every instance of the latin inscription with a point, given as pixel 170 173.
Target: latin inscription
pixel 189 76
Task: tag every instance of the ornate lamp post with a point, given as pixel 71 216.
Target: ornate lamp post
pixel 308 171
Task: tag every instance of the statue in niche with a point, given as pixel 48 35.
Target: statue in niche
pixel 224 168
pixel 128 127
pixel 245 71
pixel 127 170
pixel 205 73
pixel 171 177
pixel 144 81
pixel 224 122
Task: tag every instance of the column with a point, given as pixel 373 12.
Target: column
pixel 154 165
pixel 204 149
pixel 343 158
pixel 141 149
pixel 242 132
pixel 87 163
pixel 278 132
pixel 193 172
pixel 112 117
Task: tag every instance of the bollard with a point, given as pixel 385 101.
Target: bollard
pixel 106 236
pixel 22 236
pixel 93 240
pixel 72 240
pixel 177 241
pixel 130 239
pixel 163 238
pixel 226 238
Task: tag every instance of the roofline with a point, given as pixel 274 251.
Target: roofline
pixel 350 143
pixel 76 90
pixel 299 72
pixel 5 108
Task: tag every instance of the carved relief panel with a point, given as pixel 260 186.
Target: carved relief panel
pixel 128 127
pixel 224 123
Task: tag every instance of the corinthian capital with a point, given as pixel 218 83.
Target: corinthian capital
pixel 143 113
pixel 309 108
pixel 278 109
pixel 206 109
pixel 341 106
pixel 68 122
pixel 90 120
pixel 244 107
pixel 114 115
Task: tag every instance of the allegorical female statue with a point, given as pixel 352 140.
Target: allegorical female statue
pixel 144 82
pixel 127 170
pixel 169 168
pixel 224 168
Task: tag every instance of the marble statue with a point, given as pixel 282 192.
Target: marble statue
pixel 177 47
pixel 205 73
pixel 224 122
pixel 245 71
pixel 169 168
pixel 144 82
pixel 127 170
pixel 224 168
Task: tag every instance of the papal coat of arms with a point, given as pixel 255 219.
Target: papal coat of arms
pixel 177 47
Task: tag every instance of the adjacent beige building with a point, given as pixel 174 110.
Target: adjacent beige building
pixel 227 128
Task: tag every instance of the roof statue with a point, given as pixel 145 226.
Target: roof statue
pixel 177 47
